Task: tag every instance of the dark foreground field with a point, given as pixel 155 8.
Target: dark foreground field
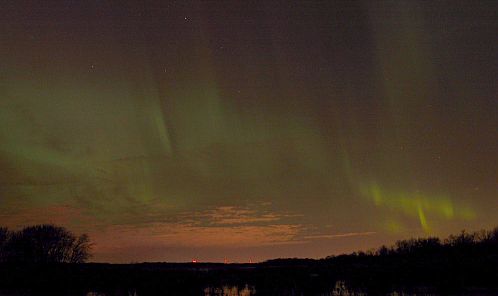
pixel 465 264
pixel 367 274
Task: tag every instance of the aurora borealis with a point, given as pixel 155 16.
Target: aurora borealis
pixel 176 130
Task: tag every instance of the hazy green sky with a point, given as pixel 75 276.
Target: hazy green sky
pixel 176 130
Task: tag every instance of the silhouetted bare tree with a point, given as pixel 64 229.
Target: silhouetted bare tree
pixel 47 244
pixel 81 249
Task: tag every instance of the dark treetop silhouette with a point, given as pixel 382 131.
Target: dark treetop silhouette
pixel 43 244
pixel 466 263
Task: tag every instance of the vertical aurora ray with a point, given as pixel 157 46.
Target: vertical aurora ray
pixel 422 218
pixel 417 205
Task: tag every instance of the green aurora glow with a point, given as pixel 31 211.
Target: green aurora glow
pixel 250 130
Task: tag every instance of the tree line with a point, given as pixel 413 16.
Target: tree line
pixel 43 244
pixel 465 242
pixel 464 263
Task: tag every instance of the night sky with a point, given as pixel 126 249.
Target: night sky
pixel 169 131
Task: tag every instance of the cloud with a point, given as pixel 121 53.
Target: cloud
pixel 187 235
pixel 339 235
pixel 224 226
pixel 231 216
